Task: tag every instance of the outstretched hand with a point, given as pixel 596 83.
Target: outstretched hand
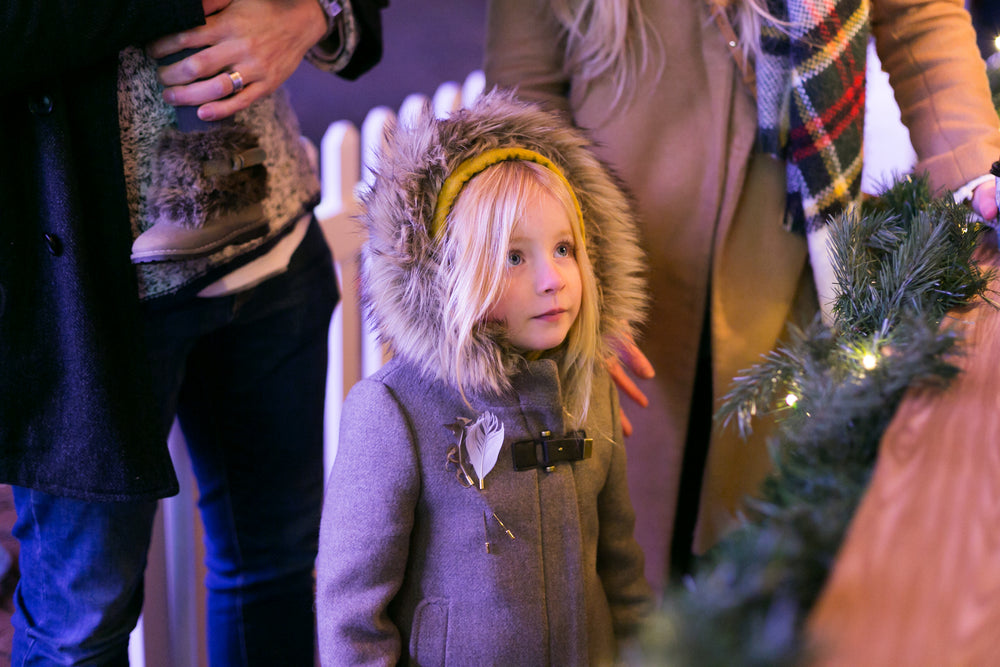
pixel 984 200
pixel 636 362
pixel 264 41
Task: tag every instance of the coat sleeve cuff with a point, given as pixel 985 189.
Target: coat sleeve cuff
pixel 334 51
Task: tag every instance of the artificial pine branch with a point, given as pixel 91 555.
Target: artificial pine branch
pixel 902 263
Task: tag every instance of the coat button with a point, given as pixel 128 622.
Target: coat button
pixel 40 105
pixel 55 244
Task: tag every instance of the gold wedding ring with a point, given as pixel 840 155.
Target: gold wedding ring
pixel 237 80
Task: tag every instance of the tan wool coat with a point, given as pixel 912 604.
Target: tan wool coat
pixel 711 208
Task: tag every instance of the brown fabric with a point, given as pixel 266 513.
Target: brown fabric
pixel 684 147
pixel 757 282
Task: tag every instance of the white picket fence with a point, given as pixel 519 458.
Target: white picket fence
pixel 171 631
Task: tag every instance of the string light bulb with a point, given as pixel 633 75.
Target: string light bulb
pixel 791 400
pixel 869 361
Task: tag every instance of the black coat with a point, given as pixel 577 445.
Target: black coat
pixel 77 414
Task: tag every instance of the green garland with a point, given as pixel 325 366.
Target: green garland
pixel 902 262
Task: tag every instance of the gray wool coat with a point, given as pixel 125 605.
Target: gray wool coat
pixel 404 573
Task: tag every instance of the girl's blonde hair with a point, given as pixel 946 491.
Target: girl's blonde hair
pixel 474 259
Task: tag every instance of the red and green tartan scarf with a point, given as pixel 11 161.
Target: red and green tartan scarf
pixel 811 102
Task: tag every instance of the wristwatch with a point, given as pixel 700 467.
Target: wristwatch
pixel 332 9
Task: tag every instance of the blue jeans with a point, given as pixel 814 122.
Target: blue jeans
pixel 245 375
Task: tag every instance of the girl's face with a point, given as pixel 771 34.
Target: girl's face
pixel 541 297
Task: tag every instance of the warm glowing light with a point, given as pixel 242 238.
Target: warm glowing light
pixel 869 361
pixel 791 400
pixel 996 42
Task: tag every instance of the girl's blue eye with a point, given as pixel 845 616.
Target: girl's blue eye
pixel 564 250
pixel 514 258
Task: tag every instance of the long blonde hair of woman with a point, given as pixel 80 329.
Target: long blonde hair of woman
pixel 614 38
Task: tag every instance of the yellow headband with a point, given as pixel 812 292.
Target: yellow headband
pixel 453 185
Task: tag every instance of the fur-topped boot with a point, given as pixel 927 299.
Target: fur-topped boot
pixel 208 186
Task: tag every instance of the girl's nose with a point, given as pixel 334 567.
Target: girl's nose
pixel 550 278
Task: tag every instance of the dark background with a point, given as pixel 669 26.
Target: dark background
pixel 427 42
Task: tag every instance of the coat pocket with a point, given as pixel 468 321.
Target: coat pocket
pixel 429 633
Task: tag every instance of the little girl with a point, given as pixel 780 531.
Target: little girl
pixel 477 512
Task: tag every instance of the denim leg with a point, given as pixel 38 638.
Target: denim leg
pixel 251 408
pixel 253 412
pixel 80 591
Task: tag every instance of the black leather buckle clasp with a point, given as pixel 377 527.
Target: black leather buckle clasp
pixel 546 451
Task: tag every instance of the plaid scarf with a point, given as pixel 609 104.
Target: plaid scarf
pixel 811 101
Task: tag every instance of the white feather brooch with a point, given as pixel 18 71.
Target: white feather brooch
pixel 483 440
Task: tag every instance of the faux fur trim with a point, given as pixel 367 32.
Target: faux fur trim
pixel 401 285
pixel 181 194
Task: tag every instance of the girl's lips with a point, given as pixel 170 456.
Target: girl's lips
pixel 551 314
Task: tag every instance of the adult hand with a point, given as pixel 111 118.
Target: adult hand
pixel 263 40
pixel 984 201
pixel 637 362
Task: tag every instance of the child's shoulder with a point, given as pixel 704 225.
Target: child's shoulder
pixel 379 403
pixel 397 380
pixel 397 396
pixel 604 415
pixel 602 389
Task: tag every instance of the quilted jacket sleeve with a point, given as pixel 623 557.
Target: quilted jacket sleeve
pixel 365 531
pixel 928 48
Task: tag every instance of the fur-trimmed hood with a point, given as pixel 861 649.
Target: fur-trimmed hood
pixel 402 279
